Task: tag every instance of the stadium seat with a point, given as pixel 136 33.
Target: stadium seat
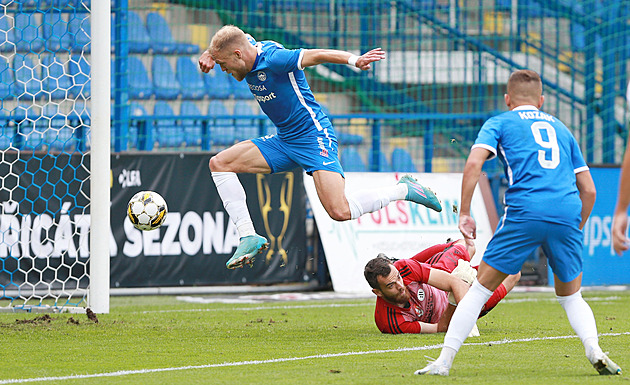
pixel 7 34
pixel 80 32
pixel 56 33
pixel 138 37
pixel 55 80
pixel 245 128
pixel 402 161
pixel 167 133
pixel 162 41
pixel 57 135
pixel 190 79
pixel 351 160
pixel 79 71
pixel 191 127
pixel 7 131
pixel 7 76
pixel 217 84
pixel 28 136
pixel 165 84
pixel 221 130
pixel 240 90
pixel 140 86
pixel 383 163
pixel 27 83
pixel 28 37
pixel 136 110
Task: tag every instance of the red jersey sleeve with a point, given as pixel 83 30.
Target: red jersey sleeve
pixel 391 321
pixel 412 271
pixel 427 253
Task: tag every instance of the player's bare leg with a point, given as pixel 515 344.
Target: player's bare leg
pixel 583 323
pixel 242 157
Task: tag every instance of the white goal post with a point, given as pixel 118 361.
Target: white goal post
pixel 55 155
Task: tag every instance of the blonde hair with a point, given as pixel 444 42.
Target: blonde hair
pixel 524 86
pixel 227 37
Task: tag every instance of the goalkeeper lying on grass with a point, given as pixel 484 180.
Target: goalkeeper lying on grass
pixel 418 295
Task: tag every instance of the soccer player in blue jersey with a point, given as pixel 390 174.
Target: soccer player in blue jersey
pixel 548 200
pixel 305 137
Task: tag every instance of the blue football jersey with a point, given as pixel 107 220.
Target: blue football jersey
pixel 279 85
pixel 540 158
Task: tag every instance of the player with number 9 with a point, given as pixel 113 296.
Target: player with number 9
pixel 549 197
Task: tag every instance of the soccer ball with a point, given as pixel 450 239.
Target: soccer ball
pixel 147 210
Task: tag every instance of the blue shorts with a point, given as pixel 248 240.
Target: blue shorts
pixel 514 241
pixel 312 153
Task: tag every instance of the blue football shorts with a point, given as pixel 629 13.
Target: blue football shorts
pixel 312 153
pixel 514 241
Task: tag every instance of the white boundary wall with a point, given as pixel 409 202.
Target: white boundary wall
pixel 400 230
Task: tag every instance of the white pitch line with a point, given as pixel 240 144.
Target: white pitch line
pixel 288 359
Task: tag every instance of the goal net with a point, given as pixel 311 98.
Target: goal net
pixel 54 168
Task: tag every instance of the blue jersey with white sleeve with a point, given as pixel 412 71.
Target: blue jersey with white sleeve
pixel 540 158
pixel 279 85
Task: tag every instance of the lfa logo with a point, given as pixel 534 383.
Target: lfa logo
pixel 129 178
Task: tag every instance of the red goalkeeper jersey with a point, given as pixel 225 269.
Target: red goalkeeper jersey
pixel 426 303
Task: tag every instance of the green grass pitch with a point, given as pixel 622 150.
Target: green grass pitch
pixel 161 340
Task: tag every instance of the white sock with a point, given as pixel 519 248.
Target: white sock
pixel 234 200
pixel 583 322
pixel 464 319
pixel 368 201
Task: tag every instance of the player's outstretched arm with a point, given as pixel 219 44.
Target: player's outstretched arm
pixel 472 171
pixel 621 242
pixel 314 57
pixel 206 63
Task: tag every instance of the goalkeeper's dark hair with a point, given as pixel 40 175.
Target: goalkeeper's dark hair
pixel 379 266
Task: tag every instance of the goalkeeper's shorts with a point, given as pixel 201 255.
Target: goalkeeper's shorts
pixel 514 241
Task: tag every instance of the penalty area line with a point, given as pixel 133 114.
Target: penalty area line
pixel 286 359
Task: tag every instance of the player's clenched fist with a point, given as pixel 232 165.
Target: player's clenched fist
pixel 206 63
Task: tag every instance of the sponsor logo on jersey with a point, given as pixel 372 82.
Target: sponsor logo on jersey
pixel 265 98
pixel 420 295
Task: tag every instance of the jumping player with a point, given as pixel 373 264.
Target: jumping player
pixel 305 138
pixel 412 294
pixel 549 198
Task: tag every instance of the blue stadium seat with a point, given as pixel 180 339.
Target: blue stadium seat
pixel 138 37
pixel 245 128
pixel 217 84
pixel 191 127
pixel 7 76
pixel 7 131
pixel 162 38
pixel 57 135
pixel 190 79
pixel 165 84
pixel 221 130
pixel 402 161
pixel 56 32
pixel 140 86
pixel 136 110
pixel 28 36
pixel 27 83
pixel 28 135
pixel 54 77
pixel 80 31
pixel 240 90
pixel 167 133
pixel 79 72
pixel 383 163
pixel 7 34
pixel 351 160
